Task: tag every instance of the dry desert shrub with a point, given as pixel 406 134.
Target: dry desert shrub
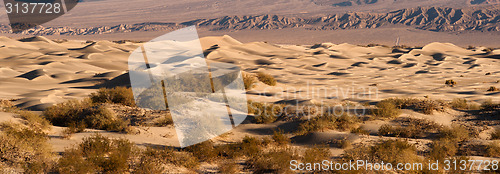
pixel 316 154
pixel 493 149
pixel 264 112
pixel 204 151
pixel 442 149
pixel 455 133
pixel 266 79
pixel 117 95
pixel 97 154
pixel 228 166
pixel 413 128
pixel 164 121
pixel 386 109
pixel 328 121
pixel 92 115
pixel 25 148
pixel 451 83
pixel 276 160
pixel 425 106
pixel 280 138
pixel 492 89
pixel 388 151
pixel 249 81
pixel 495 135
pixel 489 105
pixel 459 103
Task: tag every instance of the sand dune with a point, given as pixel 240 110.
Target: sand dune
pixel 40 72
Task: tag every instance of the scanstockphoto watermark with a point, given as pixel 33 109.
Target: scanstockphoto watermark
pixel 364 165
pixel 314 100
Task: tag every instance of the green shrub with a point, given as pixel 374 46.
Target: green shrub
pixel 495 135
pixel 266 79
pixel 249 81
pixel 386 109
pixel 97 154
pixel 117 95
pixel 84 112
pixel 273 161
pixel 280 138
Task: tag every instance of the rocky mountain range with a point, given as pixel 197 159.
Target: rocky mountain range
pixel 426 18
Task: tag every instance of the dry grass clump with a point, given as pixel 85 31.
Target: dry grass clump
pixel 386 109
pixel 388 151
pixel 86 113
pixel 164 121
pixel 266 79
pixel 32 119
pixel 26 148
pixel 425 106
pixel 276 160
pixel 249 81
pixel 412 128
pixel 117 95
pixel 328 121
pixel 495 135
pixel 264 112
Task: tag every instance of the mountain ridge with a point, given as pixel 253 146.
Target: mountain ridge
pixel 438 19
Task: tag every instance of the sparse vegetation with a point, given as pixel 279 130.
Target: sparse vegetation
pixel 25 147
pixel 264 112
pixel 386 109
pixel 493 149
pixel 413 128
pixel 455 133
pixel 316 154
pixel 249 81
pixel 389 151
pixel 442 149
pixel 276 160
pixel 280 138
pixel 489 105
pixel 425 106
pixel 495 135
pixel 228 166
pixel 493 89
pixel 451 83
pixel 117 95
pixel 458 103
pixel 266 79
pixel 204 151
pixel 85 113
pixel 328 121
